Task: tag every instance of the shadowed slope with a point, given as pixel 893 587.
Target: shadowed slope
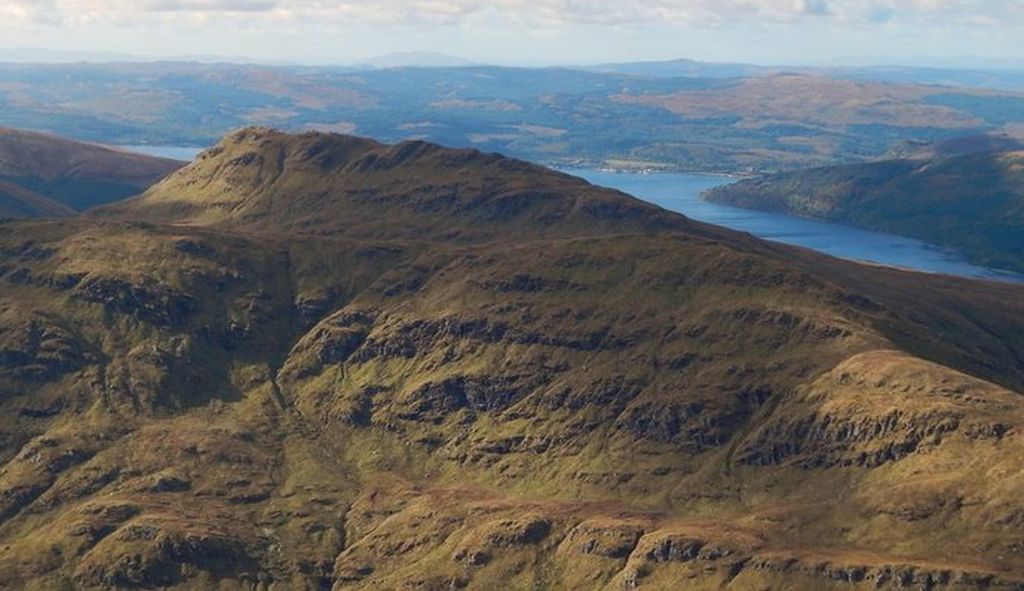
pixel 74 175
pixel 19 202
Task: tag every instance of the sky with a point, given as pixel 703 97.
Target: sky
pixel 530 32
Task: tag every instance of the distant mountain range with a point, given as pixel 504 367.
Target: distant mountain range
pixel 1002 78
pixel 415 59
pixel 981 72
pixel 318 361
pixel 708 120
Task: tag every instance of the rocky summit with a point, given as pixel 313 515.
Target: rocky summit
pixel 319 362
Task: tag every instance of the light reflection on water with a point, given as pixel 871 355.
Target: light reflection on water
pixel 681 192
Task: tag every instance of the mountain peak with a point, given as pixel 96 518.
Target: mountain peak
pixel 265 180
pixel 254 145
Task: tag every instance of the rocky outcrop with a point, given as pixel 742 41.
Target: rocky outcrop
pixel 147 301
pixel 824 442
pixel 34 348
pixel 847 418
pixel 140 555
pixel 477 547
pixel 38 465
pixel 603 538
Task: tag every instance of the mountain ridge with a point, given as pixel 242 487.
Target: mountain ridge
pixel 558 396
pixel 362 185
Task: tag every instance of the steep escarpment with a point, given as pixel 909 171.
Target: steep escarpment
pixel 47 176
pixel 973 203
pixel 551 397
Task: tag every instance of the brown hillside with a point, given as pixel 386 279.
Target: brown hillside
pixel 262 180
pixel 72 174
pixel 507 379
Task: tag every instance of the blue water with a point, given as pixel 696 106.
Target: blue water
pixel 681 192
pixel 185 153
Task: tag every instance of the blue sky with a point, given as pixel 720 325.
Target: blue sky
pixel 532 32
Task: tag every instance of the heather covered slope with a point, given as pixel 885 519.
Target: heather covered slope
pixel 573 401
pixel 47 176
pixel 972 203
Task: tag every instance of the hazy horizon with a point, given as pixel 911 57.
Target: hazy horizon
pixel 935 33
pixel 40 55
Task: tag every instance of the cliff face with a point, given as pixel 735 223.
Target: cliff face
pixel 507 378
pixel 973 203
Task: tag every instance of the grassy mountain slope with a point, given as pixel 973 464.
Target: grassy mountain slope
pixel 578 392
pixel 261 180
pixel 972 203
pixel 47 176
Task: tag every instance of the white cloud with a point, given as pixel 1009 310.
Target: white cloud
pixel 209 5
pixel 533 12
pixel 15 13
